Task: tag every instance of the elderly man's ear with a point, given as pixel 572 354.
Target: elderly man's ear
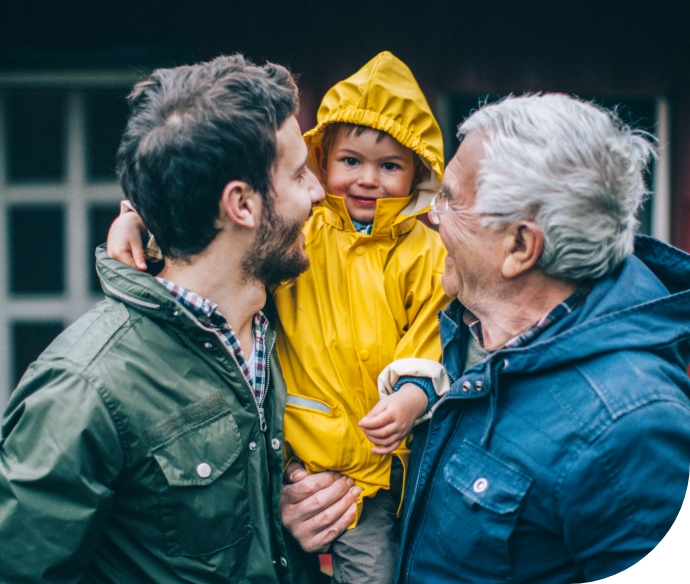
pixel 240 205
pixel 523 242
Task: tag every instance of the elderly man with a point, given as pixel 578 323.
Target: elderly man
pixel 145 444
pixel 561 452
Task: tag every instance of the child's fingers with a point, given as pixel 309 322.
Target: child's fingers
pixel 138 255
pixel 377 419
pixel 381 433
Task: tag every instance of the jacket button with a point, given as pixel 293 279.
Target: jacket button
pixel 283 562
pixel 466 386
pixel 275 444
pixel 480 485
pixel 479 386
pixel 359 251
pixel 252 446
pixel 208 345
pixel 203 470
pixel 364 354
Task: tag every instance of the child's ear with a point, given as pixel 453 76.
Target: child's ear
pixel 321 161
pixel 419 169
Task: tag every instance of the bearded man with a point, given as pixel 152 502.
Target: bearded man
pixel 145 444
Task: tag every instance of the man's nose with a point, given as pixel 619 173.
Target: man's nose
pixel 315 189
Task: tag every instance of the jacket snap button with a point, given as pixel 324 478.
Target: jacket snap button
pixel 252 446
pixel 364 354
pixel 283 562
pixel 480 485
pixel 466 386
pixel 359 251
pixel 203 470
pixel 275 444
pixel 478 385
pixel 505 363
pixel 208 345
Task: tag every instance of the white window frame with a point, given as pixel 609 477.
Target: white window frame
pixel 75 193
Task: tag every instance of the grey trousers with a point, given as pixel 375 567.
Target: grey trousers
pixel 367 554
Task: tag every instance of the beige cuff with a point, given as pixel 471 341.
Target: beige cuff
pixel 415 368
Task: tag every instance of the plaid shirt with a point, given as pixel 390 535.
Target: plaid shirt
pixel 564 308
pixel 207 313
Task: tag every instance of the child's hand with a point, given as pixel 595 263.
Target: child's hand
pixel 390 420
pixel 125 241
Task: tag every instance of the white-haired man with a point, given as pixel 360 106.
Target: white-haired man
pixel 561 452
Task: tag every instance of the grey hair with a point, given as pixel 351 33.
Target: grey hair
pixel 572 167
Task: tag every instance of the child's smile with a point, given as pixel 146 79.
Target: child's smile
pixel 365 168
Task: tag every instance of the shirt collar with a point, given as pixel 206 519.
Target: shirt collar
pixel 566 307
pixel 362 227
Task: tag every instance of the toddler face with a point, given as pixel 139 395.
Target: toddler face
pixel 364 168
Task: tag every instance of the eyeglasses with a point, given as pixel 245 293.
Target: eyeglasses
pixel 439 206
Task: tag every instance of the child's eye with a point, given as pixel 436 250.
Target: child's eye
pixel 349 161
pixel 390 166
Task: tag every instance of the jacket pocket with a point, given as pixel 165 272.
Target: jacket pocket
pixel 204 501
pixel 481 502
pixel 315 432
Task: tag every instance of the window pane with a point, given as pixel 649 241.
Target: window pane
pixel 36 135
pixel 36 249
pixel 29 340
pixel 100 218
pixel 106 116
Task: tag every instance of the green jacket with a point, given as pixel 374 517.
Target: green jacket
pixel 101 447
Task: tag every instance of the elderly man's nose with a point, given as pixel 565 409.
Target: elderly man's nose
pixel 316 193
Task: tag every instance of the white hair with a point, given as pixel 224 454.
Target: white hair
pixel 573 168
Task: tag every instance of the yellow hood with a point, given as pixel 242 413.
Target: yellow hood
pixel 384 95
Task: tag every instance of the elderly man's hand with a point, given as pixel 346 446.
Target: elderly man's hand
pixel 317 508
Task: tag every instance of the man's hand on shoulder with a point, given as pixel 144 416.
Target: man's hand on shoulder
pixel 317 508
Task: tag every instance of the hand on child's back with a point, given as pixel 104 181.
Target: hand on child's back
pixel 390 420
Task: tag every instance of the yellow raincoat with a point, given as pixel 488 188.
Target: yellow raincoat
pixel 367 300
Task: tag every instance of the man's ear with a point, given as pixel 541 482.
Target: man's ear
pixel 524 242
pixel 321 162
pixel 240 204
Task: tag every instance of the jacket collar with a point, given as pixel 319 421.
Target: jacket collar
pixel 145 294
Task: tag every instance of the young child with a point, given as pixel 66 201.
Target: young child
pixel 371 297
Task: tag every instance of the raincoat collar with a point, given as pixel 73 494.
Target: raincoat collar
pixel 388 220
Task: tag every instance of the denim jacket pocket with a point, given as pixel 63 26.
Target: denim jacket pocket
pixel 481 502
pixel 204 501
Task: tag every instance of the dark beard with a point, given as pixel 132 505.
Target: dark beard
pixel 275 258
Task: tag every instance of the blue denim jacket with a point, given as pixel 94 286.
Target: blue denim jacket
pixel 566 460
